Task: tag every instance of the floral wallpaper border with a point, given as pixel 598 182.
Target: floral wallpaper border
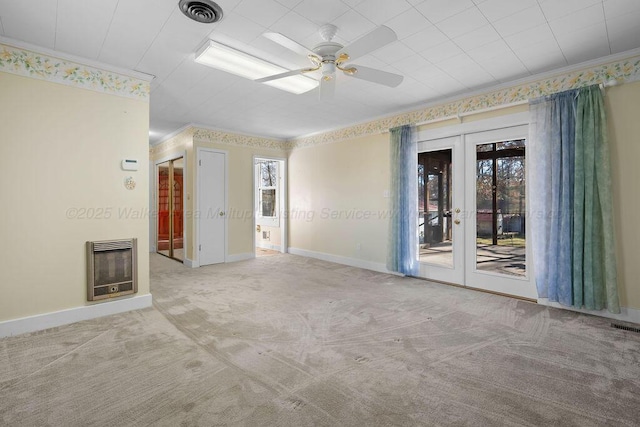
pixel 622 70
pixel 217 137
pixel 227 138
pixel 24 62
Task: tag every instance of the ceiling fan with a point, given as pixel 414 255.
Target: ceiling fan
pixel 329 57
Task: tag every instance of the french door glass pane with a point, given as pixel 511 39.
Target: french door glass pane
pixel 170 201
pixel 434 207
pixel 500 207
pixel 178 197
pixel 164 193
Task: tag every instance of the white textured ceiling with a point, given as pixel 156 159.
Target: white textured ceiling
pixel 445 47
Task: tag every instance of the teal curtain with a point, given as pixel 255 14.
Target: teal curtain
pixel 402 254
pixel 573 232
pixel 594 263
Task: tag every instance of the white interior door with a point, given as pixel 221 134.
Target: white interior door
pixel 212 211
pixel 473 222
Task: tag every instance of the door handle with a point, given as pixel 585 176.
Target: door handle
pixel 221 213
pixel 457 222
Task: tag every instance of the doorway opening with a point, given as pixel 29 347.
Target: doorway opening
pixel 269 206
pixel 170 197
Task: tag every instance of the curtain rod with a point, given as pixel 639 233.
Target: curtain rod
pixel 608 83
pixel 459 116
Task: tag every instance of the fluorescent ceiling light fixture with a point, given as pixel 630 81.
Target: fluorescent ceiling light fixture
pixel 241 64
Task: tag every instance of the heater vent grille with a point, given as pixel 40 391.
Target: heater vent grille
pixel 112 245
pixel 111 268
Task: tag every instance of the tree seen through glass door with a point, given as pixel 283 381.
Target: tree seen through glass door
pixel 500 207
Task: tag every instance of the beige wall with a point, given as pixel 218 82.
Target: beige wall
pixel 336 198
pixel 62 185
pixel 240 187
pixel 350 176
pixel 623 108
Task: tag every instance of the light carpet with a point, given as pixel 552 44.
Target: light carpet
pixel 292 341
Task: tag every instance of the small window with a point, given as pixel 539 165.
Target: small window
pixel 267 192
pixel 269 173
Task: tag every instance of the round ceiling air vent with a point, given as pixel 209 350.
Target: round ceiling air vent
pixel 204 11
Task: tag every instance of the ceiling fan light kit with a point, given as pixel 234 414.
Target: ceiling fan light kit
pixel 329 57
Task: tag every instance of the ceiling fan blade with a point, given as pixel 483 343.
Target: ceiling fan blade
pixel 374 40
pixel 281 75
pixel 285 41
pixel 327 88
pixel 376 76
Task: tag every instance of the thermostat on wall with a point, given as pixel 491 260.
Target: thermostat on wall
pixel 130 165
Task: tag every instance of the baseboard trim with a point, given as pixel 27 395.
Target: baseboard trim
pixel 40 322
pixel 240 257
pixel 191 263
pixel 263 245
pixel 352 262
pixel 627 314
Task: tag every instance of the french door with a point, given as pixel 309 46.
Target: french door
pixel 472 198
pixel 441 229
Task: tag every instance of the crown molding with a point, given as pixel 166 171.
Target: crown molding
pixel 623 67
pixel 43 64
pixel 171 135
pixel 77 59
pixel 174 140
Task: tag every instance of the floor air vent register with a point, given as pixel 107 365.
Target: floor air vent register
pixel 111 269
pixel 626 327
